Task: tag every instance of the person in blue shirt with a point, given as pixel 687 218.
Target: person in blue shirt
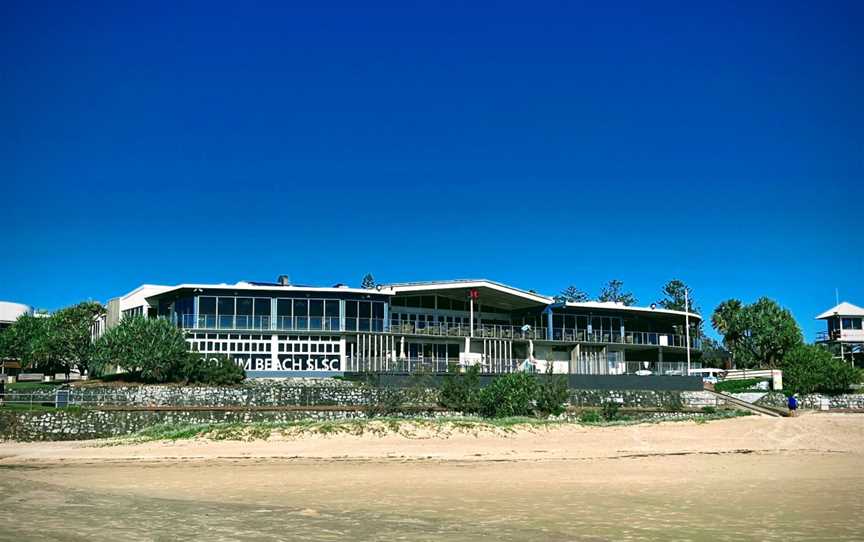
pixel 793 404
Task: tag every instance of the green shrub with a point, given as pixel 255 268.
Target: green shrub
pixel 610 410
pixel 709 410
pixel 460 391
pixel 737 386
pixel 812 369
pixel 509 395
pixel 154 350
pixel 590 416
pixel 552 395
pixel 217 370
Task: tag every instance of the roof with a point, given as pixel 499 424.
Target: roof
pixel 843 309
pixel 259 287
pixel 502 295
pixel 612 305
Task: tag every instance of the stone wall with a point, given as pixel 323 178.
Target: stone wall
pixel 660 400
pixel 64 424
pixel 849 401
pixel 329 392
pixel 252 393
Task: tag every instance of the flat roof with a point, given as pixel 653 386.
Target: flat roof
pixel 252 287
pixel 496 293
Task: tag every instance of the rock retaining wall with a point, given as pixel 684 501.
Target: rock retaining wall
pixel 849 401
pixel 92 424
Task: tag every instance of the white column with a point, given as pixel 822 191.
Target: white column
pixel 687 327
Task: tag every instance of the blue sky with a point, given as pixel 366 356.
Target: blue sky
pixel 565 143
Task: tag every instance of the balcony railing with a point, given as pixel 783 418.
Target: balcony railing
pixel 499 366
pixel 433 329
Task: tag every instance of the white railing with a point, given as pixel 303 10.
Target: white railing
pixel 434 329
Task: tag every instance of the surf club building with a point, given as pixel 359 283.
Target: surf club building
pixel 280 329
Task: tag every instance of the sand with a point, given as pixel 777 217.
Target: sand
pixel 809 433
pixel 750 478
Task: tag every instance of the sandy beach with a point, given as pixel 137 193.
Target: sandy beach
pixel 749 478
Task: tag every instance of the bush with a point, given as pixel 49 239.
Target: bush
pixel 610 410
pixel 737 386
pixel 552 395
pixel 590 416
pixel 509 395
pixel 460 391
pixel 217 370
pixel 812 369
pixel 152 349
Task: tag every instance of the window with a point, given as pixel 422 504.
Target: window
pixel 351 315
pixel 301 314
pixel 225 308
pixel 852 323
pixel 244 313
pixel 316 314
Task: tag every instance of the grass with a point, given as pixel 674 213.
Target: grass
pixel 443 427
pixel 32 386
pixel 38 407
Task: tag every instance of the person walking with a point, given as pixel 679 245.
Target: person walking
pixel 793 404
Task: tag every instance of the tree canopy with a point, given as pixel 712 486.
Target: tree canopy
pixel 60 342
pixel 70 329
pixel 368 282
pixel 674 297
pixel 614 292
pixel 153 349
pixel 760 334
pixel 572 294
pixel 812 369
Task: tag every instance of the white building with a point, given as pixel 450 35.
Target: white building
pixel 284 329
pixel 845 329
pixel 9 312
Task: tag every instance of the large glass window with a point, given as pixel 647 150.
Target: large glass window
pixel 331 314
pixel 244 313
pixel 262 313
pixel 301 314
pixel 316 314
pixel 206 305
pixel 283 314
pixel 225 310
pixel 351 315
pixel 378 316
pixel 365 313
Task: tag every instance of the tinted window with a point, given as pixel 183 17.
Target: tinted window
pixel 207 305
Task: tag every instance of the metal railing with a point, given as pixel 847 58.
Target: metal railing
pixel 434 329
pixel 30 400
pixel 426 365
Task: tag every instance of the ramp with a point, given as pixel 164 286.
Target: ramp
pixel 744 405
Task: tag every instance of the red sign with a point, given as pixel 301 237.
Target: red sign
pixel 473 293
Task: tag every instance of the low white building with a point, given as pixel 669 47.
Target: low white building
pixel 9 312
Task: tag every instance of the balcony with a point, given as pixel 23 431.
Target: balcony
pixel 432 329
pixel 499 366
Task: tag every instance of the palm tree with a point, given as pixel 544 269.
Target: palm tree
pixel 726 319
